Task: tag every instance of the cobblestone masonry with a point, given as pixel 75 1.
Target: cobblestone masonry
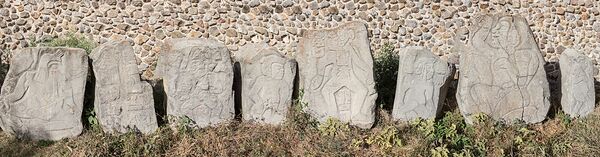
pixel 556 24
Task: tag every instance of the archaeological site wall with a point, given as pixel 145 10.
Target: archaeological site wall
pixel 556 24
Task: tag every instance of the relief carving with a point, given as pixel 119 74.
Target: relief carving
pixel 42 96
pixel 501 71
pixel 198 80
pixel 336 73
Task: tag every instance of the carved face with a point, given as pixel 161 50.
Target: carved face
pixel 272 66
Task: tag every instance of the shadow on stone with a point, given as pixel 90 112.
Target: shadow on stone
pixel 237 90
pixel 553 75
pixel 160 102
pixel 88 117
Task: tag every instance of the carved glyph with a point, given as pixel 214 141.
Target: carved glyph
pixel 267 83
pixel 502 71
pixel 122 101
pixel 198 80
pixel 336 74
pixel 577 83
pixel 421 84
pixel 42 96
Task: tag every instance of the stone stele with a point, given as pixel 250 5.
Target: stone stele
pixel 198 80
pixel 421 85
pixel 42 96
pixel 577 83
pixel 267 83
pixel 336 74
pixel 123 102
pixel 502 71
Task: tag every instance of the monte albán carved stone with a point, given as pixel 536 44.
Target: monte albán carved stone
pixel 421 84
pixel 336 74
pixel 122 101
pixel 577 83
pixel 502 71
pixel 198 80
pixel 42 96
pixel 267 83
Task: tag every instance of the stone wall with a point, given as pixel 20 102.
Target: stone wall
pixel 434 24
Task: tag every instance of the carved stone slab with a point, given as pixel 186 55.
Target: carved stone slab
pixel 122 101
pixel 198 80
pixel 502 71
pixel 577 81
pixel 267 83
pixel 421 84
pixel 336 74
pixel 42 96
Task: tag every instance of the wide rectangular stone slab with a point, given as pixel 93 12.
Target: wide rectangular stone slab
pixel 122 101
pixel 502 71
pixel 267 83
pixel 336 74
pixel 577 83
pixel 198 80
pixel 42 96
pixel 421 86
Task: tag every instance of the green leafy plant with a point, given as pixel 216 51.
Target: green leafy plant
pixel 386 71
pixel 386 139
pixel 181 124
pixel 333 127
pixel 450 133
pixel 69 40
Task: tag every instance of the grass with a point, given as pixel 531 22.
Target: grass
pixel 301 136
pixel 69 40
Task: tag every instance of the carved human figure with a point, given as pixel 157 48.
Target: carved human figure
pixel 267 83
pixel 501 71
pixel 198 80
pixel 336 74
pixel 577 83
pixel 422 79
pixel 122 101
pixel 42 96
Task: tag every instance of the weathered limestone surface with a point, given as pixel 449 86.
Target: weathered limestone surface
pixel 502 72
pixel 42 96
pixel 336 74
pixel 577 83
pixel 267 83
pixel 421 84
pixel 198 80
pixel 122 102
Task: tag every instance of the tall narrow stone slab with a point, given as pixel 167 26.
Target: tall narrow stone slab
pixel 336 74
pixel 502 71
pixel 421 84
pixel 42 96
pixel 267 83
pixel 122 101
pixel 198 80
pixel 577 83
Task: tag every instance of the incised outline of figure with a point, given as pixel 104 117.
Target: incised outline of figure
pixel 336 74
pixel 123 102
pixel 198 79
pixel 421 84
pixel 42 97
pixel 501 71
pixel 577 83
pixel 267 83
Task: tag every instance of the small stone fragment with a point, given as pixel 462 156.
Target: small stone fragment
pixel 577 83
